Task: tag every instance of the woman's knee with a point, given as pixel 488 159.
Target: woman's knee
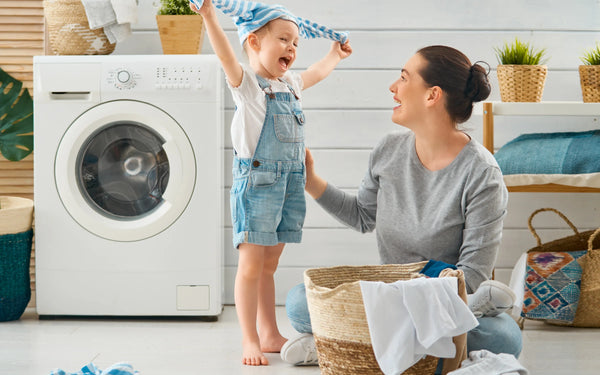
pixel 296 307
pixel 498 334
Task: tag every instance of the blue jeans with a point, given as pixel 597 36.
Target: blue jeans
pixel 498 334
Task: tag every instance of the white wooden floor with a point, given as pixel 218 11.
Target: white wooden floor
pixel 188 347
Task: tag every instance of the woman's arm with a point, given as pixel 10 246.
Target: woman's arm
pixel 356 211
pixel 484 217
pixel 315 184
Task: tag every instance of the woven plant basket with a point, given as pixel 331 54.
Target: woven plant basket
pixel 589 76
pixel 16 216
pixel 522 83
pixel 69 31
pixel 180 34
pixel 339 320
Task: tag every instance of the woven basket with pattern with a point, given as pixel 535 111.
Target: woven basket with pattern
pixel 69 31
pixel 589 76
pixel 522 83
pixel 339 320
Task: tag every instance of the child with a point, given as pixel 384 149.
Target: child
pixel 267 194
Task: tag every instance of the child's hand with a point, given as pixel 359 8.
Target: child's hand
pixel 207 8
pixel 342 50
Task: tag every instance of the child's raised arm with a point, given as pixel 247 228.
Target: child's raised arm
pixel 321 69
pixel 220 43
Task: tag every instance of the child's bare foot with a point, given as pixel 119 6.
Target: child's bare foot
pixel 272 344
pixel 252 355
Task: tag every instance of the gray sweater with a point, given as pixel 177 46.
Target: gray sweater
pixel 453 215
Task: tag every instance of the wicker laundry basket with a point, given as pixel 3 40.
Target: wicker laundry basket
pixel 589 76
pixel 339 321
pixel 522 83
pixel 69 31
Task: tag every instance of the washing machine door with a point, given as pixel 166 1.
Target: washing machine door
pixel 125 170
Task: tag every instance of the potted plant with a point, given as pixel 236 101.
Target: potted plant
pixel 589 75
pixel 521 74
pixel 181 30
pixel 16 214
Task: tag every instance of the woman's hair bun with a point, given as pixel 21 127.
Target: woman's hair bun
pixel 478 85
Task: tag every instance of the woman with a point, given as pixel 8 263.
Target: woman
pixel 433 192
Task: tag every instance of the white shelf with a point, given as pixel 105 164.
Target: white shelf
pixel 541 109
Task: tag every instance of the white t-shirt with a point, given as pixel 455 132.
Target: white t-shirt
pixel 251 108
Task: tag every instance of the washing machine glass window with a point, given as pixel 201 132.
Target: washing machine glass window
pixel 123 170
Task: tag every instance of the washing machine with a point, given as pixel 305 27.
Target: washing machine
pixel 128 185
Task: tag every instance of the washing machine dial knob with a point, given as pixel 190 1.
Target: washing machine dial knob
pixel 124 79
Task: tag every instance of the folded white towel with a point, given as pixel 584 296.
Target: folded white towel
pixel 117 32
pixel 485 362
pixel 115 16
pixel 125 10
pixel 99 13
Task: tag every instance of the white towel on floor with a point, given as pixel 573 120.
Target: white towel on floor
pixel 484 362
pixel 115 16
pixel 414 318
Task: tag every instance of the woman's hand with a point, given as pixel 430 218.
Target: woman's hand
pixel 315 185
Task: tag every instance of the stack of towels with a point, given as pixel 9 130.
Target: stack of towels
pixel 115 16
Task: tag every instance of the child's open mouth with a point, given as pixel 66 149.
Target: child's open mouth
pixel 284 62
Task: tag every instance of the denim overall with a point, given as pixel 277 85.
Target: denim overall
pixel 267 194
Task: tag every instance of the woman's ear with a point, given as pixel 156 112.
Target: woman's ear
pixel 434 95
pixel 253 41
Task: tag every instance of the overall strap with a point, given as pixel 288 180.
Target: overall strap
pixel 266 87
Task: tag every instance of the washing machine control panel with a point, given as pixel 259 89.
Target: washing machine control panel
pixel 173 81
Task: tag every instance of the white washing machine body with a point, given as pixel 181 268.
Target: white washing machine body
pixel 128 185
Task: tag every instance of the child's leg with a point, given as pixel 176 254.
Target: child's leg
pixel 247 280
pixel 271 340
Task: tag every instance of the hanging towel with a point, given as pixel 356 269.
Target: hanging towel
pixel 115 16
pixel 121 368
pixel 410 319
pixel 250 16
pixel 484 362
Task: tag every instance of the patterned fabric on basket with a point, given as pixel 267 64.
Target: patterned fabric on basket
pixel 552 284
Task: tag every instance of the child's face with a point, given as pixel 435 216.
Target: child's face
pixel 410 92
pixel 277 48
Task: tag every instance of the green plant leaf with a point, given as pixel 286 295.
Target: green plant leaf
pixel 592 57
pixel 519 53
pixel 16 119
pixel 175 7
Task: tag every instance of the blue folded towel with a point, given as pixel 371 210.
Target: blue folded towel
pixel 551 153
pixel 90 369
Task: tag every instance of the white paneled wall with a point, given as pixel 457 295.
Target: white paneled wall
pixel 349 111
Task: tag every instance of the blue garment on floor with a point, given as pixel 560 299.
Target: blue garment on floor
pixel 121 368
pixel 551 153
pixel 434 267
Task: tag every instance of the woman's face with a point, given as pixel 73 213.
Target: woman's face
pixel 410 92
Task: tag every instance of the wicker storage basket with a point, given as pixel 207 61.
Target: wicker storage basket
pixel 69 31
pixel 522 83
pixel 588 308
pixel 16 216
pixel 589 76
pixel 339 321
